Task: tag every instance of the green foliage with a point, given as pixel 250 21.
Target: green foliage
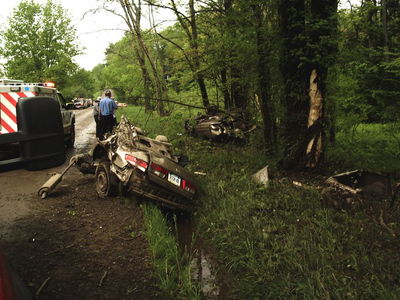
pixel 368 82
pixel 121 72
pixel 80 84
pixel 279 242
pixel 172 269
pixel 374 147
pixel 39 43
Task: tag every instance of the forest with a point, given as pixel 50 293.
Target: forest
pixel 321 81
pixel 266 57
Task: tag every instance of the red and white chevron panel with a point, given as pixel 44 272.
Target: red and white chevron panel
pixel 8 111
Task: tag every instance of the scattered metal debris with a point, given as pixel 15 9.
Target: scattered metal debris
pixel 56 178
pixel 360 182
pixel 261 176
pixel 200 173
pixel 219 125
pixel 102 278
pixel 37 294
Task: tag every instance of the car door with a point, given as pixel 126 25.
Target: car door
pixel 67 115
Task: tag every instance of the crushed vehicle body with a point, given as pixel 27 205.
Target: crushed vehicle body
pixel 135 163
pixel 219 125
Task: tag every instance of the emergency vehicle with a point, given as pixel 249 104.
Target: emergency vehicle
pixel 35 124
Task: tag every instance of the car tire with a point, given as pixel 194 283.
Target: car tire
pixel 71 139
pixel 105 180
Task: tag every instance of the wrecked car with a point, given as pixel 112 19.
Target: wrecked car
pixel 135 163
pixel 219 125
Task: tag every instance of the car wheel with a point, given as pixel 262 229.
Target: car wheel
pixel 71 140
pixel 105 180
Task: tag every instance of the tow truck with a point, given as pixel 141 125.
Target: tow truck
pixel 35 124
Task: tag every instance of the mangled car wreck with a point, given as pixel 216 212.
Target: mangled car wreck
pixel 135 163
pixel 219 125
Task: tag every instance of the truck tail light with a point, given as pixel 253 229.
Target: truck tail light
pixel 158 170
pixel 188 186
pixel 136 162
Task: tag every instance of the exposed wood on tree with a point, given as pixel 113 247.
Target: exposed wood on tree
pixel 305 69
pixel 315 118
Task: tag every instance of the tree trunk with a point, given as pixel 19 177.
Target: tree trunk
pixel 263 77
pixel 132 18
pixel 237 89
pixel 196 57
pixel 323 26
pixel 316 136
pixel 225 90
pixel 292 16
pixel 146 78
pixel 385 30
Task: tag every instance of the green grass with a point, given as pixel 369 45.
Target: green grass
pixel 374 147
pixel 279 241
pixel 172 268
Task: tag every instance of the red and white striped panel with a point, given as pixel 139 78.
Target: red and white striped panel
pixel 8 111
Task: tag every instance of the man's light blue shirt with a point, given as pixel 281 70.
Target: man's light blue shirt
pixel 107 106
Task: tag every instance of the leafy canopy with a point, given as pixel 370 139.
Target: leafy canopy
pixel 39 43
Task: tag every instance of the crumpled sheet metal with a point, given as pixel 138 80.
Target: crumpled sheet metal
pixel 359 182
pixel 217 124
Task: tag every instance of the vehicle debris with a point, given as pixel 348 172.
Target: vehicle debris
pixel 365 184
pixel 362 182
pixel 219 125
pixel 102 278
pixel 261 176
pixel 200 173
pixel 37 294
pixel 56 178
pixel 131 162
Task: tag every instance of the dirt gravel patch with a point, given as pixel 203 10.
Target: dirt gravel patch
pixel 90 248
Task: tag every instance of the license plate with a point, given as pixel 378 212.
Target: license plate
pixel 174 179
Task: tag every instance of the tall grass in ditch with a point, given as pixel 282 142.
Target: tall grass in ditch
pixel 172 268
pixel 279 241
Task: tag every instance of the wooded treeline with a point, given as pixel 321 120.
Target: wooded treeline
pixel 305 68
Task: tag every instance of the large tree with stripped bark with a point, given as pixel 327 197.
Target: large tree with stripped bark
pixel 308 31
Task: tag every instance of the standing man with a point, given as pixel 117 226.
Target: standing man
pixel 96 115
pixel 107 108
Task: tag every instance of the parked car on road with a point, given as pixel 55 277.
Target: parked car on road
pixel 80 103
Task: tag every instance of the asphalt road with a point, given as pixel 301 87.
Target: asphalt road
pixel 18 186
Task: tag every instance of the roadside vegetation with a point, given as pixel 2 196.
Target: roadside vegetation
pixel 172 269
pixel 281 241
pixel 321 82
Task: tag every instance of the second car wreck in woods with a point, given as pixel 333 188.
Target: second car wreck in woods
pixel 132 162
pixel 219 125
